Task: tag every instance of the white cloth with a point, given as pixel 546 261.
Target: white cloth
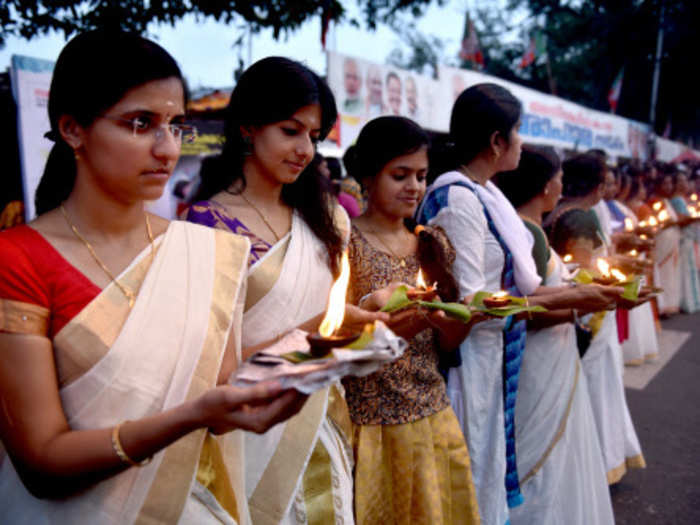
pixel 475 389
pixel 604 219
pixel 560 463
pixel 300 293
pixel 602 365
pixel 148 369
pixel 667 263
pixel 509 225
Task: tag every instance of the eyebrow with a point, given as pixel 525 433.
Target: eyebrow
pixel 293 119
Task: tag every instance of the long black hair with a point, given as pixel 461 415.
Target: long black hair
pixel 269 91
pixel 478 112
pixel 538 164
pixel 93 72
pixel 583 174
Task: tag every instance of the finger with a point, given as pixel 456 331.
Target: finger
pixel 255 394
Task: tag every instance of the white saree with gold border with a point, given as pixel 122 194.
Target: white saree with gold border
pixel 116 363
pixel 559 458
pixel 300 471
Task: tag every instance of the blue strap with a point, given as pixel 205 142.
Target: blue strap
pixel 514 338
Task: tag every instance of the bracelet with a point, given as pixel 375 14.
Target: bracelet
pixel 527 305
pixel 119 450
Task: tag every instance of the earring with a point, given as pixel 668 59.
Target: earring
pixel 76 155
pixel 546 191
pixel 247 145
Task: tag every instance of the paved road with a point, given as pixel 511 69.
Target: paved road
pixel 663 400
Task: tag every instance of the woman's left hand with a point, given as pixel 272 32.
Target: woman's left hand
pixel 356 318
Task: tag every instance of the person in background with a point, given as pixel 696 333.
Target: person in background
pixel 120 329
pixel 411 461
pixel 352 81
pixel 690 288
pixel 262 186
pixel 559 458
pixel 374 105
pixel 393 93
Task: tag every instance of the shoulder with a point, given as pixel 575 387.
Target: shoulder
pixel 341 220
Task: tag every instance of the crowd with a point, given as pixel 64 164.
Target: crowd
pixel 119 329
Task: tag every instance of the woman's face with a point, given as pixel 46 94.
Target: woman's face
pixel 399 187
pixel 552 192
pixel 682 186
pixel 282 150
pixel 666 187
pixel 510 158
pixel 129 152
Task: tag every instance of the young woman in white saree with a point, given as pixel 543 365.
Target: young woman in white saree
pixel 117 326
pixel 559 458
pixel 261 186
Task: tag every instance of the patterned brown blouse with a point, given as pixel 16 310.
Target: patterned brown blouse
pixel 411 387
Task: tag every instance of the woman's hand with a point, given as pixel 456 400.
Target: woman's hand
pixel 256 408
pixel 357 317
pixel 377 299
pixel 596 297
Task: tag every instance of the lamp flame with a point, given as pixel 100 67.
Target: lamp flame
pixel 694 197
pixel 629 225
pixel 657 206
pixel 500 294
pixel 663 216
pixel 568 258
pixel 633 253
pixel 643 237
pixel 617 274
pixel 653 221
pixel 336 300
pixel 603 266
pixel 643 224
pixel 420 282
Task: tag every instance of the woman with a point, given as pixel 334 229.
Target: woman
pixel 690 288
pixel 493 251
pixel 110 313
pixel 411 461
pixel 577 232
pixel 667 250
pixel 559 458
pixel 261 187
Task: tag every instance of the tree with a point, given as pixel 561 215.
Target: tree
pixel 28 19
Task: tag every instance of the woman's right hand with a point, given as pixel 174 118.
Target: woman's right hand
pixel 595 297
pixel 256 408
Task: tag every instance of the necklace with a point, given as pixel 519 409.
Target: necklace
pixel 269 227
pixel 402 260
pixel 128 293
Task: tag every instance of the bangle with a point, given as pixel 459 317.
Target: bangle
pixel 119 450
pixel 527 305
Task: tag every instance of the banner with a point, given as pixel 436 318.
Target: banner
pixel 31 79
pixel 365 90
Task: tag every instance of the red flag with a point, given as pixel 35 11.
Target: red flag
pixel 615 89
pixel 529 55
pixel 470 49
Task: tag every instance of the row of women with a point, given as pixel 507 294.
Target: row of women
pixel 119 330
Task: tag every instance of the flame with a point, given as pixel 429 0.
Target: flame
pixel 617 274
pixel 568 258
pixel 500 294
pixel 633 253
pixel 693 211
pixel 694 197
pixel 663 216
pixel 336 300
pixel 643 237
pixel 603 266
pixel 657 206
pixel 653 221
pixel 420 282
pixel 643 224
pixel 629 225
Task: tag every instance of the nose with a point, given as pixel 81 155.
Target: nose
pixel 305 147
pixel 166 146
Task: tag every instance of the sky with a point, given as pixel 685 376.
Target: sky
pixel 204 49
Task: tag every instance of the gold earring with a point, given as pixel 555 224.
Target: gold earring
pixel 76 155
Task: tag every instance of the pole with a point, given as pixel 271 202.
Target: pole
pixel 250 45
pixel 657 69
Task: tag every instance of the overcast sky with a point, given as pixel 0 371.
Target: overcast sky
pixel 204 50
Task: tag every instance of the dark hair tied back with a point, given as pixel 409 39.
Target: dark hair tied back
pixel 538 164
pixel 93 72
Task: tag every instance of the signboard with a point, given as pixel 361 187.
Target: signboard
pixel 365 90
pixel 31 79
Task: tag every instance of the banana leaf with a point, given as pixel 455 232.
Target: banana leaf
pixel 456 310
pixel 365 338
pixel 632 289
pixel 398 300
pixel 518 305
pixel 583 276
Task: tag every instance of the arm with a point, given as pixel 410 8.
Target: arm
pixel 55 461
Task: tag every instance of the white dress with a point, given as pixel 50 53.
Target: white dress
pixel 562 475
pixel 476 388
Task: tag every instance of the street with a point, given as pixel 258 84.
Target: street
pixel 663 399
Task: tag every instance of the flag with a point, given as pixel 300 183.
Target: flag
pixel 615 89
pixel 536 49
pixel 325 21
pixel 470 50
pixel 667 130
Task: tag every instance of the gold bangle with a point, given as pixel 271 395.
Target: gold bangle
pixel 527 305
pixel 119 450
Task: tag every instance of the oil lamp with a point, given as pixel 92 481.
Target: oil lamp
pixel 329 334
pixel 657 206
pixel 629 224
pixel 653 221
pixel 421 289
pixel 497 299
pixel 605 275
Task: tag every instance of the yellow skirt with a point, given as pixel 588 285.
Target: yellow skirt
pixel 414 473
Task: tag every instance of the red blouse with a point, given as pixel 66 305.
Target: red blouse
pixel 32 271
